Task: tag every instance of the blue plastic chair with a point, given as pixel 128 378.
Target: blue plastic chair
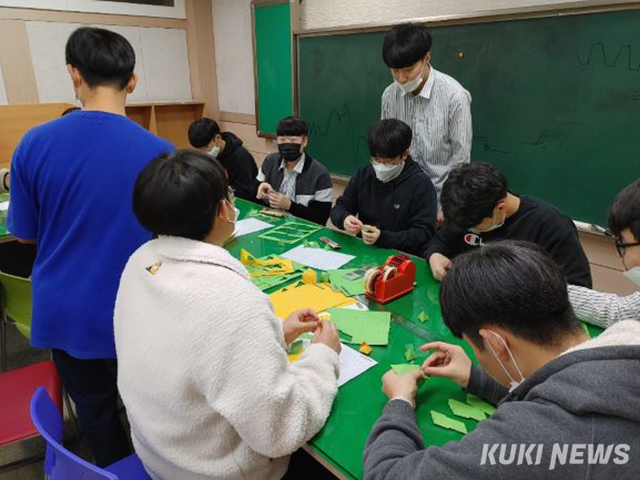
pixel 60 463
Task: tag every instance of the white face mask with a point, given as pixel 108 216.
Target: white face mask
pixel 215 151
pixel 491 228
pixel 633 274
pixel 236 211
pixel 412 85
pixel 386 173
pixel 513 383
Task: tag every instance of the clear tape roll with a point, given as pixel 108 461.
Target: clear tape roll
pixel 369 277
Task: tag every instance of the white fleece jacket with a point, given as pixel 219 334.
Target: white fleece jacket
pixel 203 372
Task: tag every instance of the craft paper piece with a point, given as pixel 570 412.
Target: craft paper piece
pixel 267 282
pixel 445 422
pixel 319 297
pixel 480 404
pixel 296 347
pixel 585 328
pixel 345 282
pixel 352 363
pixel 423 317
pixel 410 353
pixel 466 411
pixel 362 326
pixel 405 368
pixel 290 232
pixel 310 276
pixel 365 348
pixel 250 225
pixel 318 258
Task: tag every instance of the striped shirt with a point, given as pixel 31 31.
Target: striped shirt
pixel 440 118
pixel 288 185
pixel 603 309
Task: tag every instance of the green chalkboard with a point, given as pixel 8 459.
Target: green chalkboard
pixel 556 101
pixel 274 80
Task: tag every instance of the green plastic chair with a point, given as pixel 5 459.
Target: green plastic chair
pixel 16 305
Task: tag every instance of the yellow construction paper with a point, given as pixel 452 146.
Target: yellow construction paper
pixel 319 297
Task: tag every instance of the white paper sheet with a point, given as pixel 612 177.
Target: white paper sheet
pixel 353 364
pixel 250 225
pixel 318 257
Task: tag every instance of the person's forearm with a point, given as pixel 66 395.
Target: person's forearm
pixel 603 309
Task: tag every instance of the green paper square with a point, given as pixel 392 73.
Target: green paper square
pixel 423 317
pixel 403 368
pixel 410 353
pixel 445 422
pixel 463 410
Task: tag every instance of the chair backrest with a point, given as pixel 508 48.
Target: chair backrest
pixel 17 302
pixel 60 464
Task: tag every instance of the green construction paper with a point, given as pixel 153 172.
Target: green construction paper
pixel 480 404
pixel 410 353
pixel 362 325
pixel 405 368
pixel 290 232
pixel 423 317
pixel 323 277
pixel 296 347
pixel 466 411
pixel 265 283
pixel 445 422
pixel 585 328
pixel 341 281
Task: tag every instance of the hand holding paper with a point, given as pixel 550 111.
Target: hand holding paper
pixel 405 385
pixel 299 322
pixel 448 361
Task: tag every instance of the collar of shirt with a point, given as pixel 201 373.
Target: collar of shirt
pixel 428 87
pixel 298 168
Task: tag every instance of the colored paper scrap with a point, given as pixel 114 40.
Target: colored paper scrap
pixel 318 297
pixel 403 368
pixel 480 404
pixel 290 232
pixel 423 317
pixel 445 422
pixel 310 276
pixel 362 325
pixel 410 353
pixel 365 348
pixel 466 411
pixel 265 283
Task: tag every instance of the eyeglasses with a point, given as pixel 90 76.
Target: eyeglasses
pixel 621 247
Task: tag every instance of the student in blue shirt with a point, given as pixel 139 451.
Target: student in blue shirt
pixel 71 188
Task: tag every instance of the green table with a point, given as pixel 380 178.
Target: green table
pixel 340 444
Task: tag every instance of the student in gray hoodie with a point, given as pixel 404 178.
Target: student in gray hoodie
pixel 571 409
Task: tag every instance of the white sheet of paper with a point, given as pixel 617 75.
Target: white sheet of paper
pixel 318 257
pixel 4 206
pixel 352 364
pixel 250 225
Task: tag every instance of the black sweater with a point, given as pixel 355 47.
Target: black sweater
pixel 240 166
pixel 404 209
pixel 535 222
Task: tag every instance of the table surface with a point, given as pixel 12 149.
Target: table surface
pixel 359 402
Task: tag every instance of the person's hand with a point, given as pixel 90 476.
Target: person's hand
pixel 370 234
pixel 449 361
pixel 405 385
pixel 327 334
pixel 352 225
pixel 263 190
pixel 439 219
pixel 279 201
pixel 440 265
pixel 299 322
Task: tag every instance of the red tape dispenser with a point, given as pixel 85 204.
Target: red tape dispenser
pixel 392 280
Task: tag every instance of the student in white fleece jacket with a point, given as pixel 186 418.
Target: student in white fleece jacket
pixel 202 366
pixel 605 309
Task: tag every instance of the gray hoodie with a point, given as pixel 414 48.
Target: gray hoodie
pixel 585 403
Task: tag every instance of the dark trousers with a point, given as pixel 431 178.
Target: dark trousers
pixel 92 386
pixel 304 467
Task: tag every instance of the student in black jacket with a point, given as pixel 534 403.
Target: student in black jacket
pixel 391 202
pixel 205 135
pixel 479 209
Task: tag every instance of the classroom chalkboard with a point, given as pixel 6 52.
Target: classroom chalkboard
pixel 273 52
pixel 556 101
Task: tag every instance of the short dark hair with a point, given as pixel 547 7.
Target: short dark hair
pixel 203 131
pixel 179 194
pixel 70 110
pixel 292 127
pixel 405 45
pixel 389 138
pixel 470 194
pixel 514 285
pixel 102 57
pixel 625 211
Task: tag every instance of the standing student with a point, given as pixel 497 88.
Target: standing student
pixel 434 105
pixel 227 148
pixel 567 405
pixel 203 367
pixel 391 202
pixel 71 181
pixel 292 180
pixel 479 209
pixel 605 309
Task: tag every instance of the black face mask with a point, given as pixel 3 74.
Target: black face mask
pixel 289 152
